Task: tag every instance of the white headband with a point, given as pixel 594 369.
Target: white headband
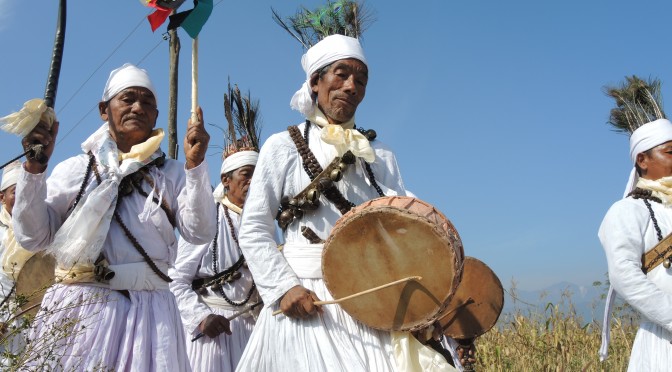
pixel 231 163
pixel 124 77
pixel 10 175
pixel 645 138
pixel 330 49
pixel 237 160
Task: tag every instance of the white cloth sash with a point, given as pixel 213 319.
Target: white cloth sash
pixel 137 276
pixel 305 259
pixel 219 303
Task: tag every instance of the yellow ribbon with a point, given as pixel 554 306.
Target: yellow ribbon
pixel 143 150
pixel 343 137
pixel 661 188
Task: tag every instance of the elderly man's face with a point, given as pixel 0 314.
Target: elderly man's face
pixel 131 115
pixel 341 89
pixel 7 198
pixel 238 184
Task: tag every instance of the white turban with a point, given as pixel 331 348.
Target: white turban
pixel 10 174
pixel 645 138
pixel 124 77
pixel 231 163
pixel 330 49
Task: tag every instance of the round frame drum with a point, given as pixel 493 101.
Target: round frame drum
pixel 36 275
pixel 385 240
pixel 477 303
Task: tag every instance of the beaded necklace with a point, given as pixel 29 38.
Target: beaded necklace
pixel 92 166
pixel 645 195
pixel 240 262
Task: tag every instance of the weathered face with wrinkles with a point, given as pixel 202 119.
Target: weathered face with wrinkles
pixel 341 89
pixel 238 184
pixel 131 115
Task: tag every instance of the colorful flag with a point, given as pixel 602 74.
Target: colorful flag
pixel 163 9
pixel 192 20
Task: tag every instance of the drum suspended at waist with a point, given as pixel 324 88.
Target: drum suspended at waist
pixel 387 239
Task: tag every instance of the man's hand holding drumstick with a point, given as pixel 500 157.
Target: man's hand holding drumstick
pixel 299 302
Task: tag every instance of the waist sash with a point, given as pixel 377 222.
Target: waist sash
pixel 135 276
pixel 305 259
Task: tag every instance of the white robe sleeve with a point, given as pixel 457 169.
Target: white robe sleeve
pixel 271 272
pixel 187 264
pixel 626 233
pixel 196 212
pixel 42 205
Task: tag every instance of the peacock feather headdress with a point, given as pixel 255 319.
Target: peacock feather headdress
pixel 344 17
pixel 244 122
pixel 637 102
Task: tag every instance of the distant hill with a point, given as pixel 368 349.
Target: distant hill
pixel 585 300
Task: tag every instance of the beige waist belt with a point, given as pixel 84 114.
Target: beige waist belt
pixel 135 276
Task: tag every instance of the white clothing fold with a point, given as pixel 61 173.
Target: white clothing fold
pixel 626 233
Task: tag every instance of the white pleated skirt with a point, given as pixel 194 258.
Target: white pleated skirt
pixel 331 341
pixel 222 353
pixel 86 328
pixel 651 350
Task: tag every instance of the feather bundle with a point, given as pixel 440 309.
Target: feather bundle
pixel 345 17
pixel 242 115
pixel 637 102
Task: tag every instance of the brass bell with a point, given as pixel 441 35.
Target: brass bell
pixel 348 158
pixel 293 202
pixel 233 277
pixel 125 188
pixel 312 196
pixel 370 134
pixel 336 175
pixel 286 217
pixel 666 263
pixel 342 166
pixel 324 184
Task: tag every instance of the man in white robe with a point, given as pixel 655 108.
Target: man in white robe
pixel 113 209
pixel 12 258
pixel 213 342
pixel 308 337
pixel 632 227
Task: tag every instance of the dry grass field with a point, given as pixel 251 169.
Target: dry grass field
pixel 555 339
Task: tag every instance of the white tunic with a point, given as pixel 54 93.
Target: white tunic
pixel 332 341
pixel 196 261
pixel 626 233
pixel 14 344
pixel 104 327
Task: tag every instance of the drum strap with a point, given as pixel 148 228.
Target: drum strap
pixel 661 252
pixel 313 168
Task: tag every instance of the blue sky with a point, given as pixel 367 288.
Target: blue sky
pixel 495 109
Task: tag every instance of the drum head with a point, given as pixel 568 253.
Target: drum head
pixel 477 303
pixel 386 240
pixel 36 275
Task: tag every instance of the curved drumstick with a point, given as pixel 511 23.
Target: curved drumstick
pixel 408 279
